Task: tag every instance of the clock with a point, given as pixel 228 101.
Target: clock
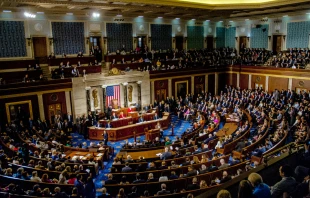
pixel 38 27
pixel 54 97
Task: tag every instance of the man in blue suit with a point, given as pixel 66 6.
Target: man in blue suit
pixel 156 116
pixel 166 155
pixel 105 138
pixel 108 125
pixel 126 169
pixel 141 119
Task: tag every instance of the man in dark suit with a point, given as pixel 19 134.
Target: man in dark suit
pixel 126 169
pixel 113 116
pixel 166 155
pixel 108 125
pixel 156 116
pixel 191 171
pixel 110 180
pixel 240 145
pixel 133 193
pixel 225 177
pixel 163 190
pixel 140 119
pixel 138 179
pixel 105 138
pixel 194 185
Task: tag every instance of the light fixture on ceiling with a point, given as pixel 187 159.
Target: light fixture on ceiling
pixel 247 19
pixel 285 16
pixel 40 12
pixel 308 13
pixel 7 11
pixel 231 21
pixel 29 15
pixel 119 15
pixel 220 21
pixel 160 17
pixel 96 15
pixel 69 13
pixel 177 18
pixel 193 19
pixel 140 16
pixel 207 20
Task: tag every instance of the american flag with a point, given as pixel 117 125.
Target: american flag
pixel 113 92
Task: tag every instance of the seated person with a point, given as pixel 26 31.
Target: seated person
pixel 26 78
pixel 156 116
pixel 79 64
pixel 75 72
pixel 141 119
pixel 123 61
pixel 37 66
pixel 80 54
pixel 121 115
pixel 96 63
pixel 68 64
pixel 113 116
pixel 141 60
pixel 64 55
pixel 41 77
pixel 29 67
pixel 51 56
pixel 90 64
pixel 108 125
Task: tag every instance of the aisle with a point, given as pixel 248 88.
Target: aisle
pixel 180 127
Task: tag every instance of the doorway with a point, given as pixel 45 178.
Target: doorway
pixel 242 43
pixel 53 110
pixel 179 43
pixel 210 42
pixel 94 41
pixel 276 44
pixel 161 94
pixel 40 49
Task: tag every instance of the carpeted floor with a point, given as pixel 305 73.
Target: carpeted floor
pixel 180 127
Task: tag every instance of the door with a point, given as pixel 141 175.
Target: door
pixel 53 110
pixel 141 41
pixel 242 42
pixel 39 47
pixel 276 44
pixel 94 41
pixel 179 42
pixel 161 94
pixel 210 42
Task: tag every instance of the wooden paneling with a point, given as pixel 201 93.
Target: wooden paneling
pixel 233 80
pixel 298 82
pixel 54 98
pixel 277 83
pixel 160 89
pixel 199 84
pixel 257 79
pixel 32 98
pixel 39 46
pixel 179 80
pixel 223 79
pixel 244 81
pixel 211 83
pixel 16 64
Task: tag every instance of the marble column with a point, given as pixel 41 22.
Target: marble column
pixel 193 84
pixel 250 80
pixel 125 84
pixel 266 83
pixel 169 88
pixel 139 95
pixel 216 83
pixel 152 91
pixel 238 79
pixel 68 102
pixel 88 98
pixel 206 83
pixel 41 107
pixel 104 87
pixel 290 84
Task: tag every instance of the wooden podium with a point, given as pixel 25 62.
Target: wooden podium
pixel 150 135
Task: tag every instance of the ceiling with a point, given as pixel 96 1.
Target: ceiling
pixel 168 9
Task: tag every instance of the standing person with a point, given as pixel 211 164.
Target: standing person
pixel 90 189
pixel 260 189
pixel 79 185
pixel 105 138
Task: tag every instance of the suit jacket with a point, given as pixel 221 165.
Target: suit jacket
pixel 165 155
pixel 287 184
pixel 126 169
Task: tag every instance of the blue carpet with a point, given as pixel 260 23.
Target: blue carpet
pixel 179 127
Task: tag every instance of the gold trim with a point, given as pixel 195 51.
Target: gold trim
pixel 7 105
pixel 175 87
pixel 35 93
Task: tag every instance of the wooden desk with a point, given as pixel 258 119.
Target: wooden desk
pixel 87 155
pixel 125 132
pixel 150 135
pixel 17 64
pixel 125 121
pixel 228 129
pixel 72 60
pixel 88 69
pixel 151 154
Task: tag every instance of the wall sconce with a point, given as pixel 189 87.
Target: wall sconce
pixel 248 38
pixel 134 39
pixel 150 38
pixel 29 41
pixel 236 38
pixel 185 38
pixel 105 40
pixel 87 40
pixel 173 39
pixel 284 36
pixel 269 37
pixel 51 40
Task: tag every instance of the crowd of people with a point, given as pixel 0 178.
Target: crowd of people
pixel 295 58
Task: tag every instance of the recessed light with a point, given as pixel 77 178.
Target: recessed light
pixel 193 19
pixel 140 16
pixel 285 16
pixel 96 15
pixel 160 17
pixel 231 21
pixel 220 21
pixel 119 15
pixel 7 11
pixel 40 12
pixel 69 13
pixel 207 20
pixel 177 18
pixel 247 19
pixel 29 15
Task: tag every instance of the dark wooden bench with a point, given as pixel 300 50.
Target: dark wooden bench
pixel 17 64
